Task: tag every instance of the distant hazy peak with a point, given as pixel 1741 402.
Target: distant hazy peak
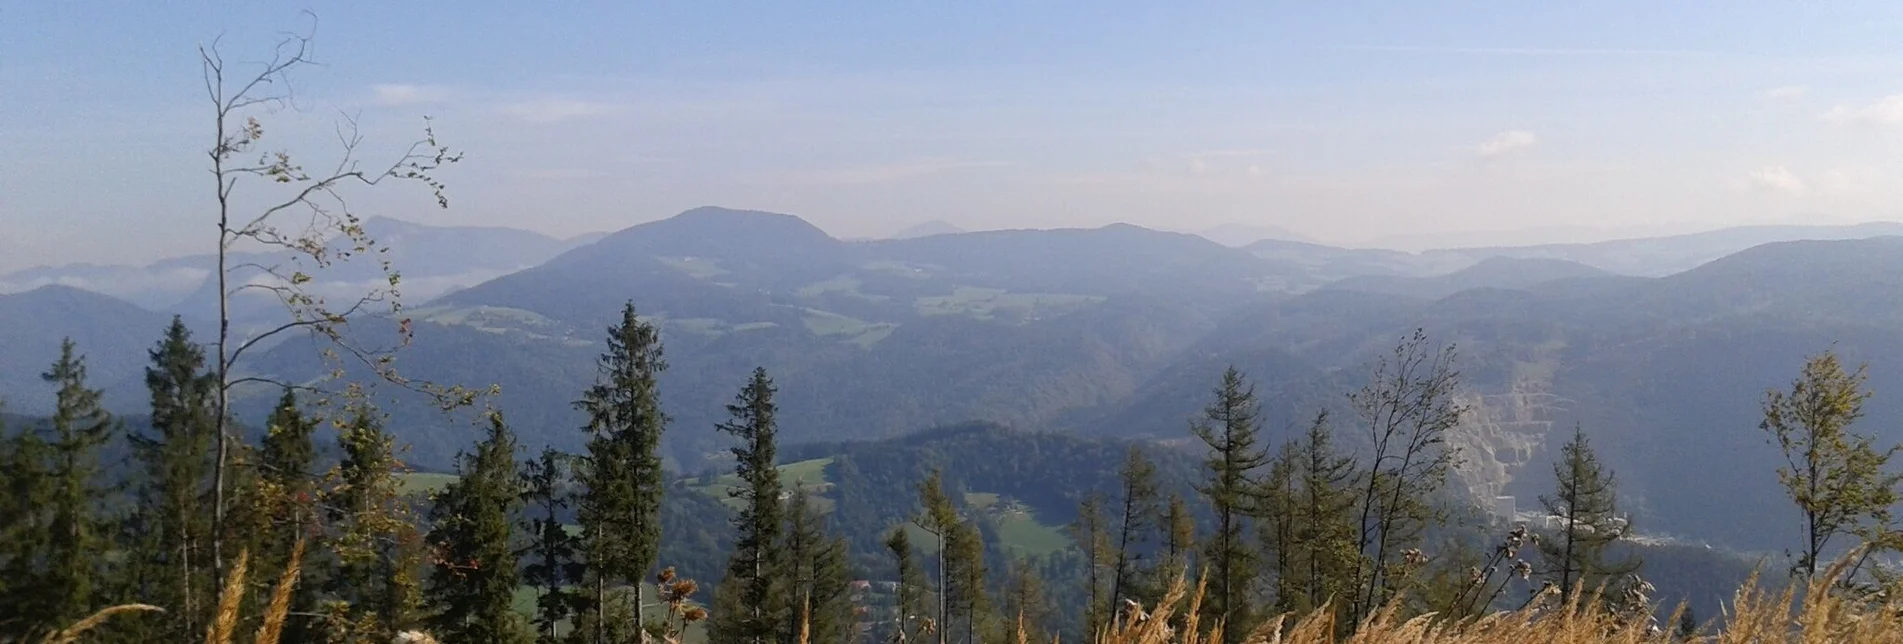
pixel 1237 235
pixel 64 297
pixel 927 229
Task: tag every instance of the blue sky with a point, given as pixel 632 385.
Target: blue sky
pixel 1418 123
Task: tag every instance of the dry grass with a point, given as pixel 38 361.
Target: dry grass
pixel 280 607
pixel 226 622
pixel 71 633
pixel 1756 616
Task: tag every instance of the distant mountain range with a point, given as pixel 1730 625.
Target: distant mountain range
pixel 432 259
pixel 1661 348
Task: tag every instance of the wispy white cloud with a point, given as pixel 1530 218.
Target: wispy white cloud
pixel 1777 178
pixel 554 110
pixel 121 282
pixel 1532 51
pixel 1505 143
pixel 1886 111
pixel 406 94
pixel 888 172
pixel 1787 92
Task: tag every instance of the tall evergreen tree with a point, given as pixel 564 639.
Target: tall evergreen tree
pixel 289 492
pixel 552 566
pixel 620 507
pixel 1325 553
pixel 940 519
pixel 755 570
pixel 1229 427
pixel 1838 478
pixel 1091 533
pixel 77 529
pixel 1585 499
pixel 909 588
pixel 1278 522
pixel 1024 605
pixel 968 599
pixel 1138 516
pixel 375 592
pixel 472 584
pixel 12 506
pixel 27 538
pixel 1179 542
pixel 176 460
pixel 818 582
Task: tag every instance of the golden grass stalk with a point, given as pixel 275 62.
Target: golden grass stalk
pixel 229 599
pixel 1827 615
pixel 71 634
pixel 806 619
pixel 273 626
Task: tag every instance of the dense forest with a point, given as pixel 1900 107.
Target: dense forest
pixel 322 534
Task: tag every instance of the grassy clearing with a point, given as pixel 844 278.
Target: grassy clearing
pixel 987 303
pixel 873 335
pixel 826 323
pixel 697 267
pixel 714 326
pixel 843 285
pixel 1019 530
pixel 1021 533
pixel 423 482
pixel 810 473
pixel 524 604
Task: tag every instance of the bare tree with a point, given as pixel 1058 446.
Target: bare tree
pixel 1407 407
pixel 304 222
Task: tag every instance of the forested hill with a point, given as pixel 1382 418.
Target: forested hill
pixel 1116 331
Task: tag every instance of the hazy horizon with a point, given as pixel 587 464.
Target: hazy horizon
pixel 1429 125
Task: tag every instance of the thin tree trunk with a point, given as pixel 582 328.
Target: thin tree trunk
pixel 224 339
pixel 185 581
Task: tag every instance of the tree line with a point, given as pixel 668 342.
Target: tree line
pixel 337 551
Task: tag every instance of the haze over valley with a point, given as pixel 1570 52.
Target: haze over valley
pixel 612 323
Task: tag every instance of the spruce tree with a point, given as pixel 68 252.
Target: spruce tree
pixel 621 479
pixel 472 584
pixel 1137 502
pixel 10 506
pixel 754 571
pixel 939 519
pixel 1092 535
pixel 966 570
pixel 289 495
pixel 1229 427
pixel 176 460
pixel 375 592
pixel 552 567
pixel 1278 521
pixel 908 588
pixel 1585 499
pixel 77 532
pixel 1024 604
pixel 26 539
pixel 1179 542
pixel 1325 551
pixel 817 578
